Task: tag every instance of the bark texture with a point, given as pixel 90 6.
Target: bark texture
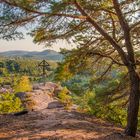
pixel 133 108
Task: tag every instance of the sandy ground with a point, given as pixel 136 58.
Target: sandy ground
pixel 58 124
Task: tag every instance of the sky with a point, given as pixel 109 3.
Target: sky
pixel 28 45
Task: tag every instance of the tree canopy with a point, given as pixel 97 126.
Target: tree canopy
pixel 103 30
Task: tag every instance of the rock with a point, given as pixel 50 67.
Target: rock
pixel 74 107
pixel 55 104
pixel 35 100
pixel 49 86
pixel 21 95
pixel 41 97
pixel 37 86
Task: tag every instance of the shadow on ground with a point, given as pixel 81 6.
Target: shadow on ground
pixel 58 124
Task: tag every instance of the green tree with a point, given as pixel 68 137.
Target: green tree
pixel 104 29
pixel 12 66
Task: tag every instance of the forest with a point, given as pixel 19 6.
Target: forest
pixel 102 72
pixel 17 67
pixel 98 97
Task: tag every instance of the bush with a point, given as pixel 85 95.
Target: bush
pixel 110 112
pixel 9 103
pixel 65 98
pixel 23 85
pixel 86 102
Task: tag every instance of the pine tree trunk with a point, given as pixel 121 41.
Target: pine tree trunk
pixel 133 108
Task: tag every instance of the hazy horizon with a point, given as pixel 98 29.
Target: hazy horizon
pixel 28 45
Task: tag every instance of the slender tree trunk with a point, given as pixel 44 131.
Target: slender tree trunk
pixel 133 108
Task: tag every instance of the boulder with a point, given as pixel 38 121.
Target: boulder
pixel 55 104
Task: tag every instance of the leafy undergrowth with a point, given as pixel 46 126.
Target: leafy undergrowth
pixel 58 124
pixel 9 103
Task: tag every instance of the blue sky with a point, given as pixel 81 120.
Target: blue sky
pixel 28 45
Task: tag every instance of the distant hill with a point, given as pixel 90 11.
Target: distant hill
pixel 47 54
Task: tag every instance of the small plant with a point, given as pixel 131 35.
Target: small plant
pixel 65 98
pixel 9 103
pixel 23 85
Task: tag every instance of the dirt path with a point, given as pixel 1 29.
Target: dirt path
pixel 57 124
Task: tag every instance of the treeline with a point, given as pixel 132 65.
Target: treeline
pixel 10 69
pixel 26 66
pixel 22 65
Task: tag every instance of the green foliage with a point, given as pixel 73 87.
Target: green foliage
pixel 95 96
pixel 65 98
pixel 23 85
pixel 111 112
pixel 78 84
pixel 12 66
pixel 12 69
pixel 98 39
pixel 63 72
pixel 116 114
pixel 9 103
pixel 86 102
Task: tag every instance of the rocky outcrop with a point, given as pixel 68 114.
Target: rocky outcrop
pixel 41 96
pixel 49 86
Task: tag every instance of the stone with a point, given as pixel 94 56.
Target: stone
pixel 55 104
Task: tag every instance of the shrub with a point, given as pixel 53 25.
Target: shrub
pixel 65 98
pixel 89 103
pixel 9 103
pixel 23 85
pixel 86 102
